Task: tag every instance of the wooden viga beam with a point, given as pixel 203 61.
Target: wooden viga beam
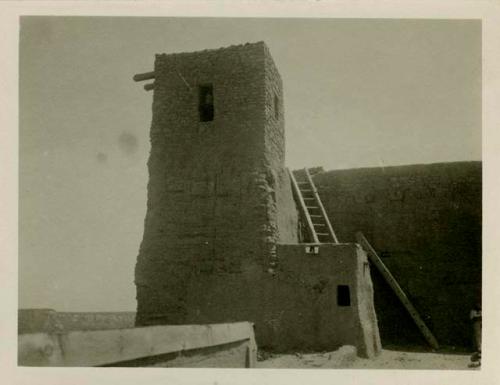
pixel 145 76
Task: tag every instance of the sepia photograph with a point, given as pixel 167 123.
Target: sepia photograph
pixel 269 193
pixel 254 192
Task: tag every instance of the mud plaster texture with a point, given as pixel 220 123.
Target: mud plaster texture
pixel 425 223
pixel 295 308
pixel 219 196
pixel 220 211
pixel 313 318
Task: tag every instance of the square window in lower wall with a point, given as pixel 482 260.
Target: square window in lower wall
pixel 343 295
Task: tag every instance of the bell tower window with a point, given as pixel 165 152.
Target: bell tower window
pixel 206 103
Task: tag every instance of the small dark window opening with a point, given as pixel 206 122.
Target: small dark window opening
pixel 206 103
pixel 343 295
pixel 276 107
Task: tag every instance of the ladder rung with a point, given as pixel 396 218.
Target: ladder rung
pixel 308 199
pixel 312 207
pixel 302 182
pixel 323 234
pixel 319 224
pixel 307 190
pixel 315 216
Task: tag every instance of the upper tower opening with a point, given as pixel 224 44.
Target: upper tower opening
pixel 206 102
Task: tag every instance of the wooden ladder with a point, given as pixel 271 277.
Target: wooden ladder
pixel 429 337
pixel 318 225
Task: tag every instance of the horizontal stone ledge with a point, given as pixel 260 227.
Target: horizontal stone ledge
pixel 108 347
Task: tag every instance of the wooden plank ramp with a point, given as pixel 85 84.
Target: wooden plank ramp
pixel 372 254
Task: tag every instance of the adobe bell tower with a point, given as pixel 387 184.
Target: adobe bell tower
pixel 219 196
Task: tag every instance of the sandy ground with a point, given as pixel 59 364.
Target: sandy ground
pixel 346 358
pixel 392 359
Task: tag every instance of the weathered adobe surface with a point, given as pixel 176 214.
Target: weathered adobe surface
pixel 219 198
pixel 295 309
pixel 220 208
pixel 425 223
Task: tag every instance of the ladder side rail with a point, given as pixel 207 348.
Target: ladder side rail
pixel 302 205
pixel 372 254
pixel 321 207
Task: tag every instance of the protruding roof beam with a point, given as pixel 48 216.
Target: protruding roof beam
pixel 144 76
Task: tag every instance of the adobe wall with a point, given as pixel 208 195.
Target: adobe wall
pixel 425 223
pixel 318 322
pixel 282 201
pixel 220 209
pixel 295 309
pixel 219 198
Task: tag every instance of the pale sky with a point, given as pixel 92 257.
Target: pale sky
pixel 357 93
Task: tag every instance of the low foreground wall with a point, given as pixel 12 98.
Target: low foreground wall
pixel 218 345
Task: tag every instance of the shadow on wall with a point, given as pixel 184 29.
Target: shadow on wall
pixel 425 223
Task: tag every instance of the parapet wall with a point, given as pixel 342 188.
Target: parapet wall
pixel 50 321
pixel 425 223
